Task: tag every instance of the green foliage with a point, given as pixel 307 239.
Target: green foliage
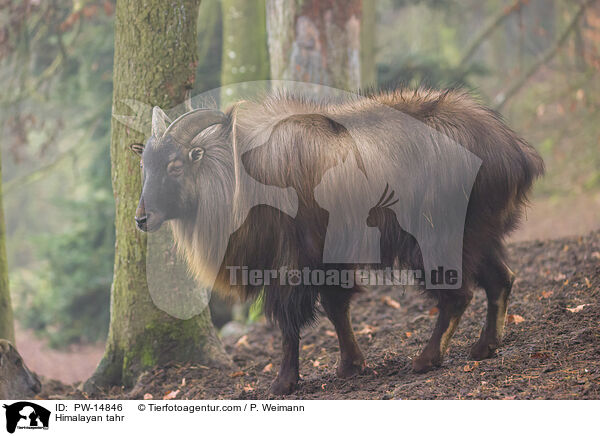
pixel 61 266
pixel 73 303
pixel 255 312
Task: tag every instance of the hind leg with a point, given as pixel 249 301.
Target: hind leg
pixel 497 279
pixel 451 305
pixel 337 307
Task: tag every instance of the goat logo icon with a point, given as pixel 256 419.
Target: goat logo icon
pixel 26 415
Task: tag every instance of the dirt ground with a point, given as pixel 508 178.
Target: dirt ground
pixel 551 348
pixel 559 216
pixel 70 365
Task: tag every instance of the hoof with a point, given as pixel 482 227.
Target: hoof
pixel 350 369
pixel 283 387
pixel 482 350
pixel 423 363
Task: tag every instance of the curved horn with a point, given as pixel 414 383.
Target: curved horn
pixel 160 121
pixel 187 126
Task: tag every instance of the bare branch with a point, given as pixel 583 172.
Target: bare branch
pixel 46 170
pixel 487 30
pixel 545 58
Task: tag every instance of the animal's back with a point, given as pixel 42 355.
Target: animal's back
pixel 509 164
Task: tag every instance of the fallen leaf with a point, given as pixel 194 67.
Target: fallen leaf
pixel 330 333
pixel 408 334
pixel 391 302
pixel 366 330
pixel 183 381
pixel 565 248
pixel 560 277
pixel 323 386
pixel 587 282
pixel 148 396
pixel 546 294
pixel 316 364
pixel 268 368
pixel 469 368
pixel 577 309
pixel 433 311
pixel 171 395
pixel 596 255
pixel 199 366
pixel 307 347
pixel 514 319
pixel 237 374
pixel 510 397
pixel 242 342
pixel 540 355
pixel 248 388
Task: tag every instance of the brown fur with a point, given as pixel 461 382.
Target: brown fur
pixel 293 142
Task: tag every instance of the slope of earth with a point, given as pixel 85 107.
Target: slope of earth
pixel 551 347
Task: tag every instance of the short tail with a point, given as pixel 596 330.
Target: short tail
pixel 532 168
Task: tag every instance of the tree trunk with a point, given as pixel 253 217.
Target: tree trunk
pixel 154 62
pixel 245 56
pixel 210 47
pixel 368 65
pixel 315 41
pixel 6 316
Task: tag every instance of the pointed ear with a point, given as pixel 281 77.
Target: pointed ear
pixel 160 121
pixel 137 148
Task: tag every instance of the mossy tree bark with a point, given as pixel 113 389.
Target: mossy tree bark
pixel 6 315
pixel 210 46
pixel 154 62
pixel 368 66
pixel 245 57
pixel 315 41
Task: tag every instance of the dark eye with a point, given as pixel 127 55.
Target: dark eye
pixel 196 154
pixel 175 168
